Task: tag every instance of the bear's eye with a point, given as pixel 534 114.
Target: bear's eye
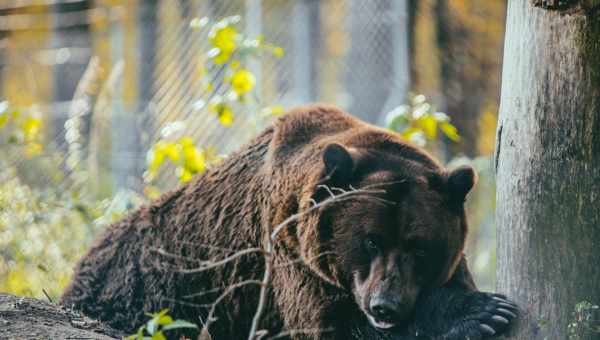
pixel 371 246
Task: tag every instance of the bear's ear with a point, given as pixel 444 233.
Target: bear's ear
pixel 460 181
pixel 339 162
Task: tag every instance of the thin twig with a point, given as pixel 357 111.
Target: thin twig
pixel 214 290
pixel 301 260
pixel 208 246
pixel 262 297
pixel 173 256
pixel 338 198
pixel 210 265
pixel 210 317
pixel 47 296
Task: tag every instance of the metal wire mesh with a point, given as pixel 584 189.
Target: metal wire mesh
pixel 338 51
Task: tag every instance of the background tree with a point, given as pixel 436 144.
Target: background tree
pixel 71 47
pixel 548 167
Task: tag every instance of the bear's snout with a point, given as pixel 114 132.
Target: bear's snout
pixel 385 307
pixel 386 310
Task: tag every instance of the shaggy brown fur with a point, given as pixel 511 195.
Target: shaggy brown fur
pixel 233 206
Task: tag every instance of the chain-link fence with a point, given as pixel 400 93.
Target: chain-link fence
pixel 106 76
pixel 100 80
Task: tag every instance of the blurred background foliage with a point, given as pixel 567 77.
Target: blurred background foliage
pixel 105 104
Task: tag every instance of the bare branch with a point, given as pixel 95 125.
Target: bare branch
pixel 262 297
pixel 338 198
pixel 340 190
pixel 323 186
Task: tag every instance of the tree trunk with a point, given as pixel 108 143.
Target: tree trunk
pixel 71 42
pixel 305 27
pixel 469 57
pixel 133 126
pixel 370 57
pixel 548 166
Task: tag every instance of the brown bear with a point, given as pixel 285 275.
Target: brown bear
pixel 383 265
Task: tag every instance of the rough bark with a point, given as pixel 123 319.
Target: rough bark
pixel 25 318
pixel 548 164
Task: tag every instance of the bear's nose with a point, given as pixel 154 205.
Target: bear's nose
pixel 383 309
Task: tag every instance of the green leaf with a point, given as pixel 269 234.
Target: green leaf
pixel 137 336
pixel 3 118
pixel 165 320
pixel 180 324
pixel 140 333
pixel 158 336
pixel 152 325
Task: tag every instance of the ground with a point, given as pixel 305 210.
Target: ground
pixel 26 318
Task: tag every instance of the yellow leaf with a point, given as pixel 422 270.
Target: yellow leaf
pixel 222 110
pixel 408 132
pixel 33 149
pixel 3 118
pixel 193 159
pixel 171 150
pixel 186 141
pixel 429 126
pixel 450 131
pixel 278 51
pixel 221 58
pixel 242 81
pixel 158 336
pixel 31 127
pixel 235 64
pixel 152 192
pixel 184 175
pixel 156 158
pixel 223 38
pixel 226 116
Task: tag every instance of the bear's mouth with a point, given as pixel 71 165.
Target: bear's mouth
pixel 380 323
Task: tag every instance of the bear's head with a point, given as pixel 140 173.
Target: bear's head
pixel 384 247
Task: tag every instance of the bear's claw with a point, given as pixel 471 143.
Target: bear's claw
pixel 489 315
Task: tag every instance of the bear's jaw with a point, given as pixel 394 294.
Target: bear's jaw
pixel 379 324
